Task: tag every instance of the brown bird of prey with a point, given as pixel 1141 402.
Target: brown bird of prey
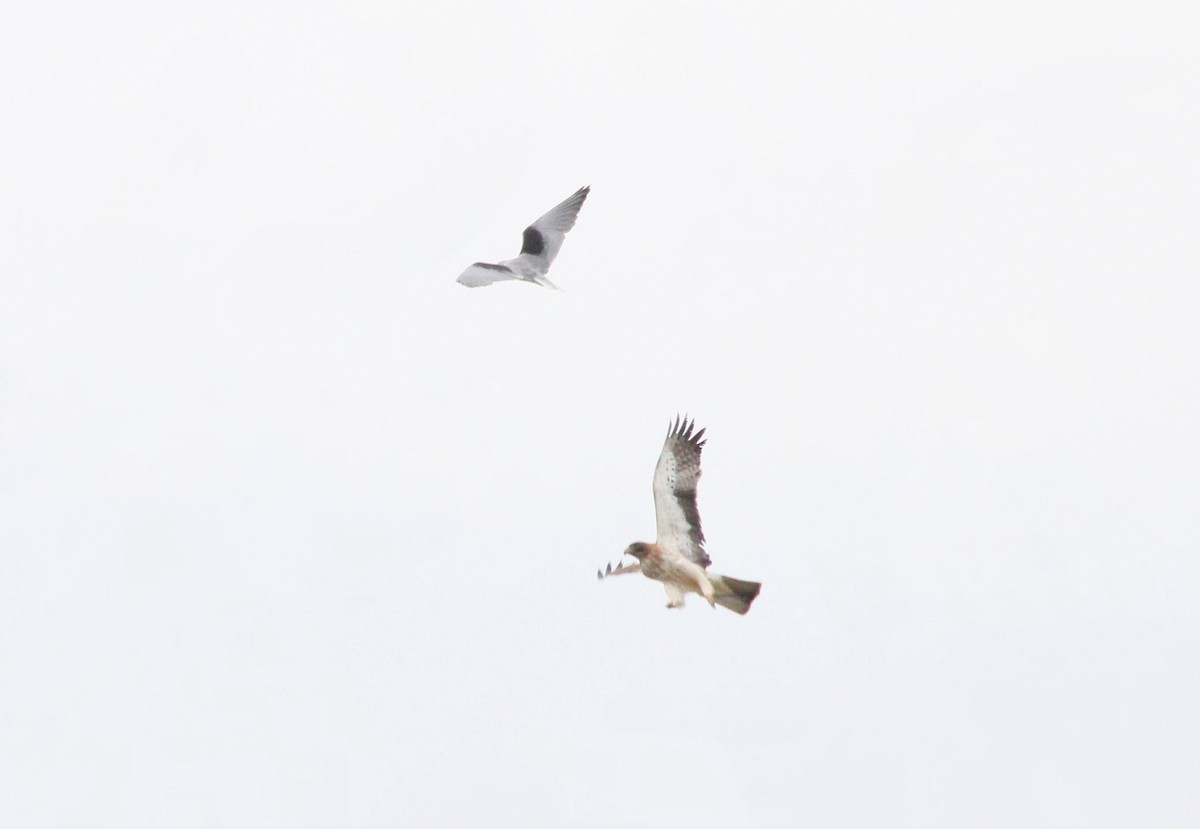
pixel 677 558
pixel 539 246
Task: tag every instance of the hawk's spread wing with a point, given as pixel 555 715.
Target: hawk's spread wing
pixel 675 480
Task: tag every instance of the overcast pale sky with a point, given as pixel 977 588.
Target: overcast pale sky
pixel 295 531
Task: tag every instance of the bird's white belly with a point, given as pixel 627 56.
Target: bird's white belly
pixel 523 268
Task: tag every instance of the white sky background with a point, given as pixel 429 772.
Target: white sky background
pixel 296 531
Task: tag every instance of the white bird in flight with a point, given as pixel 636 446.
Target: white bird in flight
pixel 539 246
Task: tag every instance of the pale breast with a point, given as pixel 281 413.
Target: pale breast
pixel 652 568
pixel 673 569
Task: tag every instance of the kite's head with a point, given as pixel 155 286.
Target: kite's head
pixel 637 549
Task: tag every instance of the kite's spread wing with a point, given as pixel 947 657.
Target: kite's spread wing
pixel 483 273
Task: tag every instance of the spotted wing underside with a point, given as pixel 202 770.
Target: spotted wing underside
pixel 675 480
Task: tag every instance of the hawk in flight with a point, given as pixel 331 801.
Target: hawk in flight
pixel 539 246
pixel 677 558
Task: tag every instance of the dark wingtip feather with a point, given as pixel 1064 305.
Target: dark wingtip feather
pixel 684 428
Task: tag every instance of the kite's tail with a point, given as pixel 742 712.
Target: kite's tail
pixel 732 593
pixel 542 280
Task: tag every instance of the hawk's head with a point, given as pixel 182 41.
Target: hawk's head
pixel 638 550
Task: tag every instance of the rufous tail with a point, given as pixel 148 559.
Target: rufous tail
pixel 735 594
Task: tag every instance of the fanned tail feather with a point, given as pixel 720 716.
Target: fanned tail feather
pixel 735 594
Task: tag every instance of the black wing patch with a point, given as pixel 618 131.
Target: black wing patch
pixel 491 267
pixel 533 243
